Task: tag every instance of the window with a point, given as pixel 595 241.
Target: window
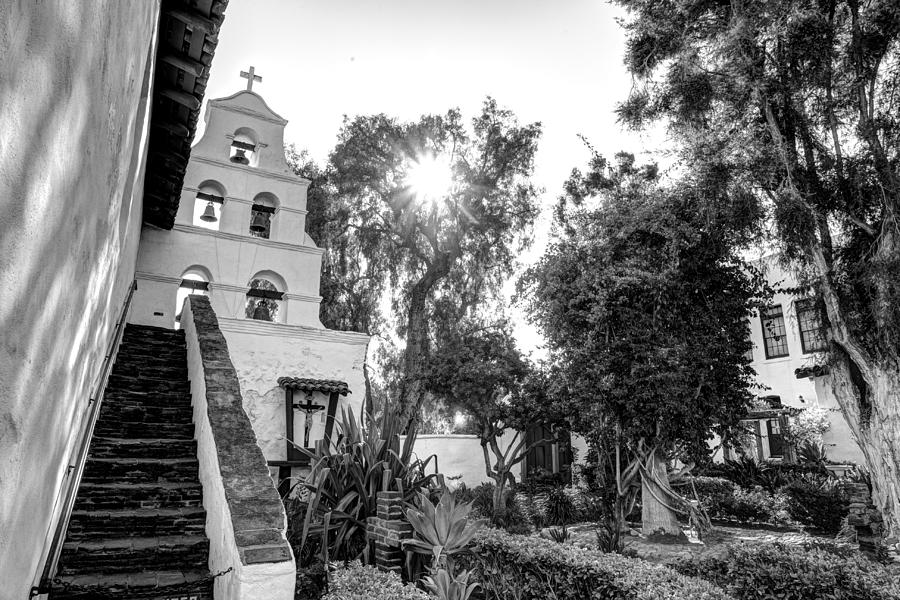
pixel 810 323
pixel 263 300
pixel 774 333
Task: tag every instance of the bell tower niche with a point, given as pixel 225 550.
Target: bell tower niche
pixel 242 214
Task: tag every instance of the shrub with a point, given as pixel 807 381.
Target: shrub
pixel 559 509
pixel 713 493
pixel 756 505
pixel 531 568
pixel 341 486
pixel 750 572
pixel 358 582
pixel 515 519
pixel 817 502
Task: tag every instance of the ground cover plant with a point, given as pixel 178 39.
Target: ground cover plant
pixel 751 572
pixel 531 568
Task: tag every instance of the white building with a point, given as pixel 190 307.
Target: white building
pixel 786 350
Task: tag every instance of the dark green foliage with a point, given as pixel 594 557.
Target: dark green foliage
pixel 817 502
pixel 438 255
pixel 792 110
pixel 643 300
pixel 752 572
pixel 531 568
pixel 559 508
pixel 560 535
pixel 748 473
pixel 512 519
pixel 342 484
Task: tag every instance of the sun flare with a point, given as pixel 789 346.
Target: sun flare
pixel 430 177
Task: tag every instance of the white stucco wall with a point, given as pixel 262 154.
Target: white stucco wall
pixel 265 581
pixel 262 352
pixel 777 374
pixel 459 457
pixel 74 79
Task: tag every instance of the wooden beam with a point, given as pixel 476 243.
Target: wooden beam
pixel 180 97
pixel 194 19
pixel 188 65
pixel 173 128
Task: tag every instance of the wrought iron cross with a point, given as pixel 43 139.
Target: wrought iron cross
pixel 309 408
pixel 250 76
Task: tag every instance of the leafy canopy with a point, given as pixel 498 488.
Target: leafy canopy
pixel 643 301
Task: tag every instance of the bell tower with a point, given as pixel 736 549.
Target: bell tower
pixel 239 234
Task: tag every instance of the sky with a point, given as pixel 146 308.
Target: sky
pixel 554 61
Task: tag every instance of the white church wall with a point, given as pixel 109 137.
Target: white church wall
pixel 459 457
pixel 262 352
pixel 231 261
pixel 73 117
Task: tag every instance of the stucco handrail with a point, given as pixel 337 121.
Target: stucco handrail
pixel 246 522
pixel 76 469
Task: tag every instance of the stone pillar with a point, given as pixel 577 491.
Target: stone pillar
pixel 387 529
pixel 864 518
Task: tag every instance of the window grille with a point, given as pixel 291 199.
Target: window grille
pixel 774 332
pixel 809 319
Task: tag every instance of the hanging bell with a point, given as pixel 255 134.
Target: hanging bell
pixel 209 214
pixel 258 224
pixel 240 157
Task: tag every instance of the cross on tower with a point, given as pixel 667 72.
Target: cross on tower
pixel 250 76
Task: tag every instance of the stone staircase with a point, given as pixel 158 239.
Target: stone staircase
pixel 137 528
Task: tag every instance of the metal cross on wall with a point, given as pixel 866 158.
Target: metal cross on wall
pixel 250 76
pixel 310 409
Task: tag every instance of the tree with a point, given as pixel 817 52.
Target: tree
pixel 351 287
pixel 478 370
pixel 467 234
pixel 799 102
pixel 643 301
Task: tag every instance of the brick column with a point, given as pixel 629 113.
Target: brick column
pixel 864 517
pixel 387 530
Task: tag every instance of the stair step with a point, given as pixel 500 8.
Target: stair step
pixel 149 384
pixel 131 411
pixel 108 496
pixel 121 554
pixel 140 470
pixel 125 429
pixel 111 447
pixel 164 398
pixel 136 522
pixel 148 584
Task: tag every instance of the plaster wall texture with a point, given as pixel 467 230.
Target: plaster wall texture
pixel 777 374
pixel 263 581
pixel 262 352
pixel 74 113
pixel 459 457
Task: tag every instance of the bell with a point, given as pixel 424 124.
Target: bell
pixel 258 224
pixel 209 214
pixel 239 157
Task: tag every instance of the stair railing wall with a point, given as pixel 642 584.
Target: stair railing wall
pixel 79 458
pixel 245 519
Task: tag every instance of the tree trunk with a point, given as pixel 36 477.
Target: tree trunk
pixel 415 354
pixel 658 521
pixel 871 407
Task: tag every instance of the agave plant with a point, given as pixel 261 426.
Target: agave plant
pixel 443 529
pixel 344 479
pixel 442 585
